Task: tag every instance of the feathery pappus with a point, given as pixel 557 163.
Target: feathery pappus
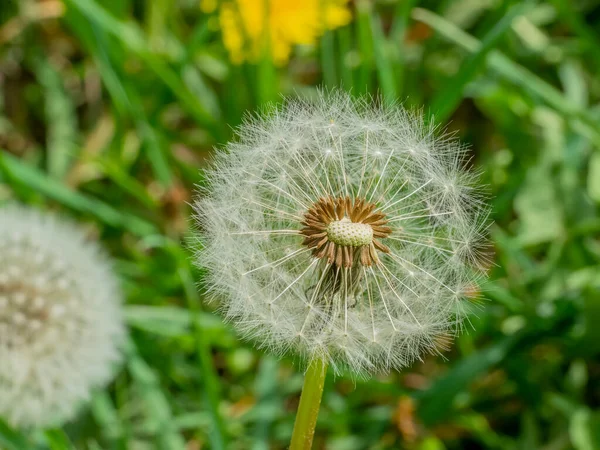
pixel 342 229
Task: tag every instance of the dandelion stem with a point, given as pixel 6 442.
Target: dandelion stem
pixel 308 410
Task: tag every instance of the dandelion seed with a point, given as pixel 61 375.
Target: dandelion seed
pixel 344 231
pixel 60 318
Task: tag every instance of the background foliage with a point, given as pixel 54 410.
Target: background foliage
pixel 109 109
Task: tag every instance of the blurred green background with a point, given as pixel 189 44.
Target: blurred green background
pixel 109 109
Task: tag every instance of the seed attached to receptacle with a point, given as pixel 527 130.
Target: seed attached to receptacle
pixel 345 231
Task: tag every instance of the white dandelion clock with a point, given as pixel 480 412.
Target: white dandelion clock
pixel 344 231
pixel 60 318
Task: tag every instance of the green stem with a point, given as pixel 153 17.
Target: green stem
pixel 308 410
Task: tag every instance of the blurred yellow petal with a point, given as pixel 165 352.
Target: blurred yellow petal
pixel 208 6
pixel 232 38
pixel 253 28
pixel 337 15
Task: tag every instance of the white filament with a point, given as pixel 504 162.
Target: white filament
pixel 369 319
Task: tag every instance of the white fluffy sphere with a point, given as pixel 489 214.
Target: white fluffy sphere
pixel 60 318
pixel 344 230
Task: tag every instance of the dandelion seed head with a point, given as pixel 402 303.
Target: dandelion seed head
pixel 342 229
pixel 60 318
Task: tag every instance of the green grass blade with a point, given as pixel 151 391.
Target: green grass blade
pixel 400 20
pixel 31 177
pixel 435 402
pixel 365 46
pixel 120 177
pixel 12 440
pixel 266 81
pixel 198 320
pixel 126 100
pixel 210 381
pixel 397 34
pixel 58 440
pixel 579 118
pixel 61 118
pixel 107 416
pixel 383 64
pixel 590 37
pixel 159 416
pixel 328 59
pixel 170 320
pixel 447 100
pixel 345 50
pixel 270 402
pixel 157 18
pixel 133 40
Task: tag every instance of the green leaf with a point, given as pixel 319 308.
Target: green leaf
pixel 538 208
pixel 168 320
pixel 435 403
pixel 11 439
pixel 58 440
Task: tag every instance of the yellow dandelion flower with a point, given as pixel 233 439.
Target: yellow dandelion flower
pixel 208 6
pixel 250 28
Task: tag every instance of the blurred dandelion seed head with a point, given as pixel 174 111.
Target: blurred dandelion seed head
pixel 343 229
pixel 60 318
